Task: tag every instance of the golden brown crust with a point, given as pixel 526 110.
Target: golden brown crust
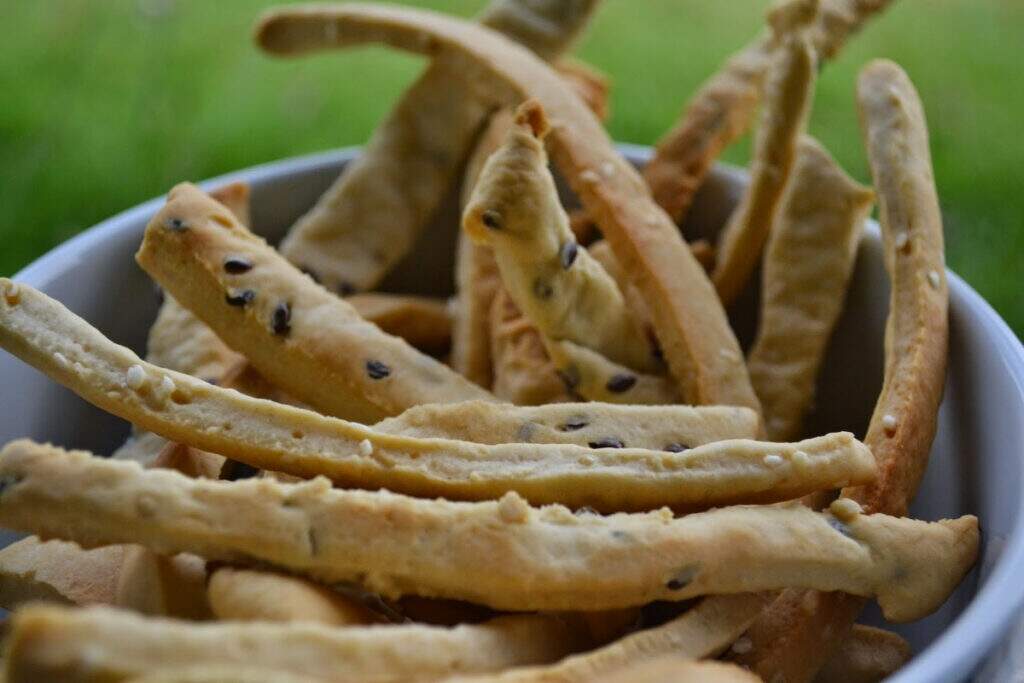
pixel 298 335
pixel 807 266
pixel 788 89
pixel 97 645
pixel 866 655
pixel 904 421
pixel 698 344
pixel 57 571
pixel 503 554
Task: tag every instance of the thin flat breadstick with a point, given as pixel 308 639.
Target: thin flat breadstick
pixel 566 293
pixel 867 655
pixel 299 336
pixel 807 267
pixel 654 427
pixel 101 644
pixel 674 668
pixel 252 595
pixel 724 106
pixel 787 101
pixel 695 336
pixel 423 322
pixel 798 634
pixel 595 378
pixel 57 571
pixel 159 585
pixel 369 219
pixel 502 554
pixel 282 438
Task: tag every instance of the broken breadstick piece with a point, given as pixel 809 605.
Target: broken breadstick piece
pixel 57 571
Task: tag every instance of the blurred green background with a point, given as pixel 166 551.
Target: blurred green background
pixel 109 102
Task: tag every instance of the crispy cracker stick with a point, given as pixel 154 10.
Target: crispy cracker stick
pixel 423 322
pixel 807 266
pixel 799 633
pixel 787 102
pixel 298 335
pixel 369 219
pixel 253 595
pixel 654 427
pixel 57 571
pixel 502 554
pixel 723 108
pixel 671 668
pixel 567 294
pixel 690 322
pixel 595 378
pixel 283 438
pixel 102 644
pixel 867 655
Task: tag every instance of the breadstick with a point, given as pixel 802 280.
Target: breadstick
pixel 369 219
pixel 101 644
pixel 502 554
pixel 723 108
pixel 298 335
pixel 159 585
pixel 57 571
pixel 788 93
pixel 807 267
pixel 654 427
pixel 867 655
pixel 690 322
pixel 252 595
pixel 566 293
pixel 799 633
pixel 423 322
pixel 282 438
pixel 595 378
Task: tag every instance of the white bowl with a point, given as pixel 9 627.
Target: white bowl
pixel 977 463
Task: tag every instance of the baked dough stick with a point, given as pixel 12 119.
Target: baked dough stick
pixel 369 219
pixel 103 645
pixel 866 655
pixel 282 438
pixel 298 335
pixel 57 571
pixel 673 669
pixel 567 294
pixel 656 427
pixel 807 266
pixel 799 633
pixel 502 554
pixel 422 321
pixel 698 344
pixel 723 108
pixel 589 374
pixel 788 93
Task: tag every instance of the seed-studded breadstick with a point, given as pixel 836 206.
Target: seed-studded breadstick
pixel 654 427
pixel 502 554
pixel 57 571
pixel 369 219
pixel 159 585
pixel 866 655
pixel 101 644
pixel 592 376
pixel 298 335
pixel 253 595
pixel 799 633
pixel 788 92
pixel 566 293
pixel 723 108
pixel 675 668
pixel 807 266
pixel 284 438
pixel 690 322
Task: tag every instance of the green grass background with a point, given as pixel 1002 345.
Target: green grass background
pixel 109 102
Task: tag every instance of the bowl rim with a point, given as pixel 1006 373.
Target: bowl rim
pixel 956 652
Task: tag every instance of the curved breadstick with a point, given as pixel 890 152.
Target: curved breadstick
pixel 515 210
pixel 299 336
pixel 57 571
pixel 723 108
pixel 867 655
pixel 787 102
pixel 283 438
pixel 102 644
pixel 252 595
pixel 595 378
pixel 369 219
pixel 505 554
pixel 807 267
pixel 654 427
pixel 802 630
pixel 689 320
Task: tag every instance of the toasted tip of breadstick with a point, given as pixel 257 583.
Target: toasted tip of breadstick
pixel 531 113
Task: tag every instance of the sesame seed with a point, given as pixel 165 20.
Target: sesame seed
pixel 742 646
pixel 607 169
pixel 280 320
pixel 608 442
pixel 902 240
pixel 512 508
pixel 240 298
pixel 773 460
pixel 236 265
pixel 621 382
pixel 176 224
pixel 164 389
pixel 365 448
pixel 377 370
pixel 61 359
pixel 492 219
pixel 135 377
pixel 585 460
pixel 933 279
pixel 889 424
pixel 801 458
pixel 675 447
pixel 567 254
pixel 573 424
pixel 589 176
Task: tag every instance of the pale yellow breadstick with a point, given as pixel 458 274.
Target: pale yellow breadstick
pixel 423 322
pixel 57 571
pixel 595 378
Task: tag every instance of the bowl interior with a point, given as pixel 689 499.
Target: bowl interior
pixel 975 465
